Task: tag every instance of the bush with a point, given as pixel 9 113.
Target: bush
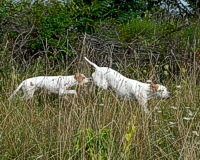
pixel 96 145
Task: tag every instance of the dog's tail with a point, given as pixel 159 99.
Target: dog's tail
pixel 94 65
pixel 18 88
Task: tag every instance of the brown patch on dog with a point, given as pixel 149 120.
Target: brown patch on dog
pixel 154 87
pixel 79 77
pixel 31 84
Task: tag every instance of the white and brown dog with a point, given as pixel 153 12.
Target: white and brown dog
pixel 105 77
pixel 53 84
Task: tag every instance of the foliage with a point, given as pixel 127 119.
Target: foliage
pixel 88 16
pixel 137 28
pixel 53 28
pixel 96 145
pixel 131 130
pixel 52 23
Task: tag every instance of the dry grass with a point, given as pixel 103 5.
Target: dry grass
pixel 94 126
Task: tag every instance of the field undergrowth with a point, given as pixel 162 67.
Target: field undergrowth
pixel 98 125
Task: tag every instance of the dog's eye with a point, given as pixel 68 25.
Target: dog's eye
pixel 83 77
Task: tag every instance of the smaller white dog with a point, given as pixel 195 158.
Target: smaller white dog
pixel 53 84
pixel 105 77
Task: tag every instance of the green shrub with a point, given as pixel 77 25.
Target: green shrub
pixel 52 23
pixel 137 28
pixel 96 145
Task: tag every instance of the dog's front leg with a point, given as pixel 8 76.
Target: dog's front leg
pixel 143 103
pixel 68 92
pixel 64 94
pixel 91 87
pixel 72 92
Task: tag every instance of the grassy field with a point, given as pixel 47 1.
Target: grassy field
pixel 98 125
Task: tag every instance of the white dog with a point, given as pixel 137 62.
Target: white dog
pixel 53 84
pixel 105 77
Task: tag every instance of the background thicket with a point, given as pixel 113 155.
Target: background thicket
pixel 143 40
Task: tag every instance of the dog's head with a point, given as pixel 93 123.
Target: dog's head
pixel 81 79
pixel 160 90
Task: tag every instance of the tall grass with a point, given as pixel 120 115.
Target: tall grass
pixel 95 125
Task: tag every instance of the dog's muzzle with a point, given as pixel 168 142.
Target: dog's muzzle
pixel 89 83
pixel 90 80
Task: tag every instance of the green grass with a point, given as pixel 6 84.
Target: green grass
pixel 93 126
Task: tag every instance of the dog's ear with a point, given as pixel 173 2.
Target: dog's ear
pixel 78 77
pixel 154 87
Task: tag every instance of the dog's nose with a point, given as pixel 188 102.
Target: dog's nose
pixel 91 79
